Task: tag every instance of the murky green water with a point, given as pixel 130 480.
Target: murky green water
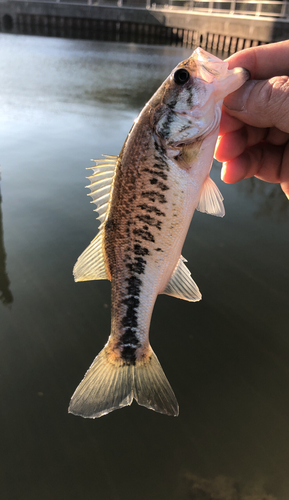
pixel 63 102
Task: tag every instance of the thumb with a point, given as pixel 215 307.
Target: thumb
pixel 262 103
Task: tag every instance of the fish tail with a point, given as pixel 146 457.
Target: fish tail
pixel 109 385
pixel 152 388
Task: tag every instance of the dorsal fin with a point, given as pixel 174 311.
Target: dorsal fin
pixel 101 182
pixel 91 263
pixel 181 285
pixel 211 200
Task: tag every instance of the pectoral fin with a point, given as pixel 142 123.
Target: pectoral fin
pixel 211 200
pixel 181 285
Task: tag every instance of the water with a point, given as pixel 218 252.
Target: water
pixel 63 102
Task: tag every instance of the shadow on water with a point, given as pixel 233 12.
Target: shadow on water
pixel 5 293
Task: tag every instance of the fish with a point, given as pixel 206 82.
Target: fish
pixel 145 199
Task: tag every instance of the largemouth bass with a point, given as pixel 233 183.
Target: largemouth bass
pixel 145 199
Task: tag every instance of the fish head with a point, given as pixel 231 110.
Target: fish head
pixel 188 104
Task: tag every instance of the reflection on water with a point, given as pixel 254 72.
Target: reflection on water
pixel 272 203
pixel 227 357
pixel 5 294
pixel 223 488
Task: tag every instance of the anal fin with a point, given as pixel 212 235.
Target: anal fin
pixel 181 285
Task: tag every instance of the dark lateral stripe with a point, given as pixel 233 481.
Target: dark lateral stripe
pixel 159 173
pixel 162 164
pixel 153 195
pixel 150 221
pixel 130 319
pixel 162 186
pixel 129 337
pixel 128 354
pixel 159 184
pixel 145 235
pixel 134 285
pixel 138 266
pixel 139 250
pixel 131 301
pixel 150 209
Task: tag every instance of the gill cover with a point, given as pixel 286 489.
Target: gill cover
pixel 188 104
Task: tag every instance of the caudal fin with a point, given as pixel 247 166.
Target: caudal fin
pixel 108 386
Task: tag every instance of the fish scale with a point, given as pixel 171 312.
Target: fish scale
pixel 146 198
pixel 140 229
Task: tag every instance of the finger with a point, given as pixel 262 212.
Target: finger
pixel 277 137
pixel 264 61
pixel 229 123
pixel 263 161
pixel 234 170
pixel 231 145
pixel 262 103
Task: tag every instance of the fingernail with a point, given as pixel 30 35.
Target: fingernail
pixel 248 73
pixel 238 99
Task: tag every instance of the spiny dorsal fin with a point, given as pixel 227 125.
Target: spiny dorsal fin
pixel 181 285
pixel 91 263
pixel 211 200
pixel 101 182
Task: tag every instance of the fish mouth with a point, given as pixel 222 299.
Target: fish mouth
pixel 208 66
pixel 211 69
pixel 233 80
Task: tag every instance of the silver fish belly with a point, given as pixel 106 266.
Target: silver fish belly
pixel 145 199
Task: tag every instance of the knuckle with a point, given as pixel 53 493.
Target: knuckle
pixel 274 96
pixel 279 88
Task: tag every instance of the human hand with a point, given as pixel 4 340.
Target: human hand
pixel 254 130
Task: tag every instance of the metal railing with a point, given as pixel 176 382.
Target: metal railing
pixel 257 8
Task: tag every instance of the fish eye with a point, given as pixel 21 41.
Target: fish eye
pixel 181 76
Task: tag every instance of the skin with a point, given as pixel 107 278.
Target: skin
pixel 254 130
